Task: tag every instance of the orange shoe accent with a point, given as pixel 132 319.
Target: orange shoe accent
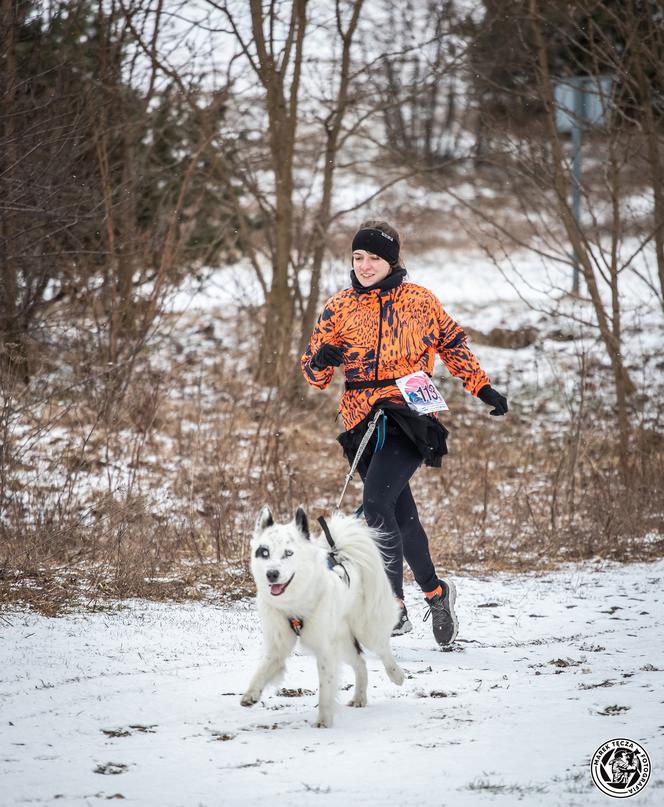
pixel 401 602
pixel 438 590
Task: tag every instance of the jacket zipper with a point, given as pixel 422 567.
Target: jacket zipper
pixel 380 333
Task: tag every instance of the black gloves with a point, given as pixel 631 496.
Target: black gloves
pixel 327 356
pixel 492 397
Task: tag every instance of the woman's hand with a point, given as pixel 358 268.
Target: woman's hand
pixel 327 356
pixel 492 397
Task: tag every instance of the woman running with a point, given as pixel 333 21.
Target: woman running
pixel 386 332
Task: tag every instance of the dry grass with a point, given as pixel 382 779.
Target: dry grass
pixel 158 500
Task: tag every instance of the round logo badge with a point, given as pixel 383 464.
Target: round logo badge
pixel 620 768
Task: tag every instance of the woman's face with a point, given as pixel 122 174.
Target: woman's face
pixel 369 268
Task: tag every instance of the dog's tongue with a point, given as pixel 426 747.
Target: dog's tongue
pixel 277 588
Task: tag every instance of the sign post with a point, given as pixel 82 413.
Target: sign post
pixel 581 102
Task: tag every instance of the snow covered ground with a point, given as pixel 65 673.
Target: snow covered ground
pixel 141 702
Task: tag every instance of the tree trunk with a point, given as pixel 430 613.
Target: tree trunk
pixel 323 217
pixel 622 390
pixel 654 158
pixel 13 349
pixel 276 339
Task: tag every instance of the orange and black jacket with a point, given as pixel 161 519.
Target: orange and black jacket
pixel 385 334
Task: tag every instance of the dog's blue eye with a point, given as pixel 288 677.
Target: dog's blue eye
pixel 288 553
pixel 262 552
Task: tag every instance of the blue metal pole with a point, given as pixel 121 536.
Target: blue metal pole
pixel 576 174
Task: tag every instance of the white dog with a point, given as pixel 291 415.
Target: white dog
pixel 336 602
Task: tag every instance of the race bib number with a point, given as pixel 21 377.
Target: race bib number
pixel 420 393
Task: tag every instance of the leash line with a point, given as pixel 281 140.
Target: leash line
pixel 363 444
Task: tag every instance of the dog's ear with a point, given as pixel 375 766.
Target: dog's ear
pixel 302 522
pixel 264 519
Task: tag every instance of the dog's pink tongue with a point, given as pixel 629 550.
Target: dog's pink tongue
pixel 277 588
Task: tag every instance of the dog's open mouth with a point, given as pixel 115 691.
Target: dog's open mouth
pixel 278 588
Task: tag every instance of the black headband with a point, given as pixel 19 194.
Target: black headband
pixel 378 243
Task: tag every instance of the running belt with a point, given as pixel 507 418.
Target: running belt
pixel 384 382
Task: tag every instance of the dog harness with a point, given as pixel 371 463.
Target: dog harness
pixel 296 622
pixel 333 561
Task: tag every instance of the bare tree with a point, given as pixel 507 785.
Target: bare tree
pixel 640 69
pixel 418 74
pixel 274 52
pixel 315 115
pixel 334 137
pixel 609 325
pixel 11 337
pixel 535 164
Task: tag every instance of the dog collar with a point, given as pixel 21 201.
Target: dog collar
pixel 296 624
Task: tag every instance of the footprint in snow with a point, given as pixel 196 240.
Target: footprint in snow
pixel 295 693
pixel 610 711
pixel 607 683
pixel 111 768
pixel 222 736
pixel 132 729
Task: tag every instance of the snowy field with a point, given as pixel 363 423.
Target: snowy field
pixel 141 702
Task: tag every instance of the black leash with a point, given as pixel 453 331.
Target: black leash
pixel 328 534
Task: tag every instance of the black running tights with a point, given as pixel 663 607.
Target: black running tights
pixel 389 507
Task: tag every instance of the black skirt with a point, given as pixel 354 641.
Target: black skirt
pixel 426 432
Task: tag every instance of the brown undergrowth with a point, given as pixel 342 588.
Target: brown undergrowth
pixel 156 495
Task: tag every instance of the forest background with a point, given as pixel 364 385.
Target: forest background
pixel 179 183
